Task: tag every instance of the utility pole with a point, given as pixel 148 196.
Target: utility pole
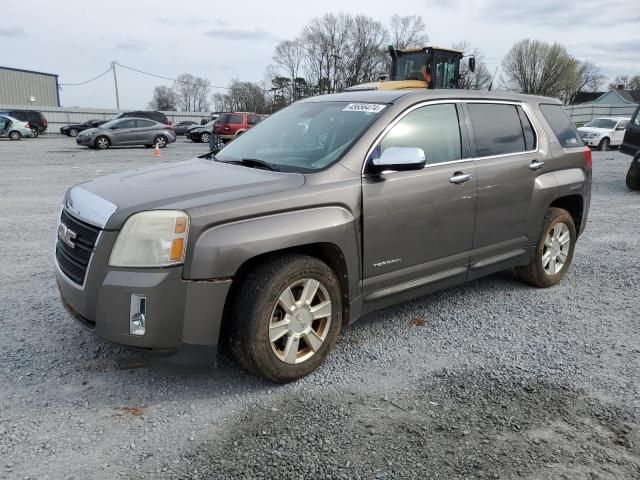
pixel 115 82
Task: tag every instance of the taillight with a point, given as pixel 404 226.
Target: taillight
pixel 587 157
pixel 26 125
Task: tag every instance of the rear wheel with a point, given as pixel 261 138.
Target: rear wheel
pixel 15 135
pixel 633 175
pixel 554 250
pixel 161 141
pixel 102 143
pixel 204 137
pixel 603 146
pixel 73 132
pixel 286 317
pixel 35 133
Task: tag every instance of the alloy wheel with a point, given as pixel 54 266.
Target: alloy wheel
pixel 300 321
pixel 556 249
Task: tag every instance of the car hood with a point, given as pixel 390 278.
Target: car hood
pixel 181 186
pixel 88 131
pixel 594 130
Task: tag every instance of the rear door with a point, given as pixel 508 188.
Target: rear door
pixel 507 165
pixel 418 225
pixel 631 142
pixel 618 132
pixel 144 132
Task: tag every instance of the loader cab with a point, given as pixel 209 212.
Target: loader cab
pixel 441 64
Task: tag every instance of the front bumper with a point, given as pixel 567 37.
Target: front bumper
pixel 84 141
pixel 178 311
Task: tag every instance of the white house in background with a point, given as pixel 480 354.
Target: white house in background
pixel 618 97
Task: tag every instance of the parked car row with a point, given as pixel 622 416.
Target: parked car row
pixel 36 120
pixel 226 125
pixel 13 128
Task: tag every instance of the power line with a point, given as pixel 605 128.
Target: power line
pixel 168 78
pixel 87 81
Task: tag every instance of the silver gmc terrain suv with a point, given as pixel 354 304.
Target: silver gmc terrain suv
pixel 329 209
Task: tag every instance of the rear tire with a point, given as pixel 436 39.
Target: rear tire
pixel 102 143
pixel 282 343
pixel 35 133
pixel 204 137
pixel 633 175
pixel 161 141
pixel 554 250
pixel 15 135
pixel 603 146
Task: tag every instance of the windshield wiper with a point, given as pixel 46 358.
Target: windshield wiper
pixel 255 162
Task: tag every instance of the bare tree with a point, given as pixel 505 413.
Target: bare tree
pixel 408 31
pixel 588 79
pixel 366 58
pixel 634 83
pixel 481 77
pixel 192 92
pixel 540 68
pixel 288 56
pixel 164 98
pixel 627 82
pixel 242 97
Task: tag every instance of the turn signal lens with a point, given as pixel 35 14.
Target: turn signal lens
pixel 177 249
pixel 587 157
pixel 181 225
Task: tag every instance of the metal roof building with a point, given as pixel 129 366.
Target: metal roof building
pixel 26 87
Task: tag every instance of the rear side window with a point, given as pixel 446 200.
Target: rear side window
pixel 144 123
pixel 223 118
pixel 527 129
pixel 562 127
pixel 433 128
pixel 235 119
pixel 497 129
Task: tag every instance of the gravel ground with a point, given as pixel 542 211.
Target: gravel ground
pixel 500 381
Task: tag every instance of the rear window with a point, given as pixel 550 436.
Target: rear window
pixel 497 129
pixel 562 127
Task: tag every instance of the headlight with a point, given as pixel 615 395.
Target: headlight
pixel 156 238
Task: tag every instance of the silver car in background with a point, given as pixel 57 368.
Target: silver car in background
pixel 13 128
pixel 125 132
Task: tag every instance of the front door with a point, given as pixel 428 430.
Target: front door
pixel 121 133
pixel 631 143
pixel 418 225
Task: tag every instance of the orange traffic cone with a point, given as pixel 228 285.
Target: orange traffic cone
pixel 157 152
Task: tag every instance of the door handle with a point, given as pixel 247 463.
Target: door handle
pixel 459 178
pixel 536 165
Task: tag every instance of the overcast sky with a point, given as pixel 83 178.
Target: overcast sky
pixel 78 39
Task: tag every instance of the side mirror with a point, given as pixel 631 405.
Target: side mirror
pixel 621 128
pixel 399 159
pixel 472 64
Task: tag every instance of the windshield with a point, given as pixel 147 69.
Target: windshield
pixel 305 137
pixel 601 123
pixel 110 123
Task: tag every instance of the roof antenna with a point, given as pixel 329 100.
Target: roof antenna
pixel 493 78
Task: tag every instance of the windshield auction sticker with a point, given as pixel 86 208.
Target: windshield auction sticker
pixel 364 107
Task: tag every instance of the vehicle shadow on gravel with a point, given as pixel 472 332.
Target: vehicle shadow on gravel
pixel 448 424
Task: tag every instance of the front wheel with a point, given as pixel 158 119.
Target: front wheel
pixel 73 132
pixel 102 143
pixel 204 137
pixel 15 135
pixel 160 141
pixel 603 146
pixel 633 175
pixel 554 250
pixel 286 317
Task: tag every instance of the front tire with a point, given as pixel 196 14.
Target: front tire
pixel 102 143
pixel 287 315
pixel 204 137
pixel 73 132
pixel 603 146
pixel 554 251
pixel 15 135
pixel 633 174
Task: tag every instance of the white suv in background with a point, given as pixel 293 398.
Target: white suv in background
pixel 604 132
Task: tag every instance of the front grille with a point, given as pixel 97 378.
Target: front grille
pixel 74 261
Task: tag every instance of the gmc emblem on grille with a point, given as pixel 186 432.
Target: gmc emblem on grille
pixel 66 235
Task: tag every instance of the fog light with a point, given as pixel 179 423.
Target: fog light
pixel 137 314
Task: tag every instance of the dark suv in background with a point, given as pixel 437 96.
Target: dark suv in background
pixel 150 114
pixel 37 120
pixel 631 146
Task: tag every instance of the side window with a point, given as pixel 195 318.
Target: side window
pixel 144 123
pixel 497 129
pixel 252 119
pixel 636 119
pixel 527 129
pixel 235 119
pixel 125 124
pixel 562 127
pixel 434 128
pixel 623 124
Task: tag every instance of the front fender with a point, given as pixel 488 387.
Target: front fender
pixel 221 250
